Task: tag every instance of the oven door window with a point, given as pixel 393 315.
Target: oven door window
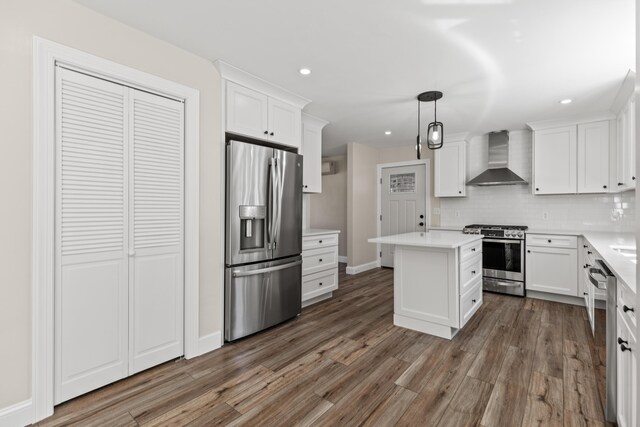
pixel 502 256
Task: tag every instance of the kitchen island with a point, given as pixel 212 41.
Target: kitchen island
pixel 437 281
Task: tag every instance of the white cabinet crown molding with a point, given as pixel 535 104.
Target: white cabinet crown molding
pixel 571 121
pixel 317 121
pixel 234 74
pixel 627 88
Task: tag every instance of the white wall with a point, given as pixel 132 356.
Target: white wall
pixel 70 24
pixel 329 209
pixel 514 204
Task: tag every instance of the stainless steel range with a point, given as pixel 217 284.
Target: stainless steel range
pixel 502 257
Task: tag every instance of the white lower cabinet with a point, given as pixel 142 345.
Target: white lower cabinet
pixel 550 268
pixel 627 361
pixel 319 266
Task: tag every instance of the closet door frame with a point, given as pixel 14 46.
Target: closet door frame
pixel 45 56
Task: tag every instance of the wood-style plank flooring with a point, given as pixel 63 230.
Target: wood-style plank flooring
pixel 519 362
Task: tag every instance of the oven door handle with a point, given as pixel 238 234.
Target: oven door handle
pixel 487 239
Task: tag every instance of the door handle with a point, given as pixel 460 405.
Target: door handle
pixel 240 273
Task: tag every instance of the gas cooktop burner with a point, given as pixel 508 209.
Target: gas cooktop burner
pixel 507 231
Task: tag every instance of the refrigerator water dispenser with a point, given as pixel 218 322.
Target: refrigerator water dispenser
pixel 252 218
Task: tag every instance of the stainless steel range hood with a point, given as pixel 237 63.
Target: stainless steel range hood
pixel 498 172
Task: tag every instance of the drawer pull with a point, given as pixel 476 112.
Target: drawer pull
pixel 473 301
pixel 320 260
pixel 549 241
pixel 585 246
pixel 589 252
pixel 621 341
pixel 585 293
pixel 320 283
pixel 625 309
pixel 624 348
pixel 473 272
pixel 320 241
pixel 473 249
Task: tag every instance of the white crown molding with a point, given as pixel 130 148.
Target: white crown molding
pixel 627 87
pixel 317 121
pixel 568 121
pixel 236 75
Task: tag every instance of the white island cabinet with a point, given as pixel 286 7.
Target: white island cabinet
pixel 437 280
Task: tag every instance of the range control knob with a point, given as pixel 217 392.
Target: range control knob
pixel 520 234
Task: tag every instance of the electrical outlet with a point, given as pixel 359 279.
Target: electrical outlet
pixel 457 214
pixel 545 215
pixel 436 211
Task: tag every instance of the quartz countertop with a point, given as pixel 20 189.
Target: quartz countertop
pixel 316 231
pixel 622 266
pixel 446 228
pixel 431 239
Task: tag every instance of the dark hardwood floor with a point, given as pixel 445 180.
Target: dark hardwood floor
pixel 519 362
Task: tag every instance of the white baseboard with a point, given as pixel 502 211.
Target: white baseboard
pixel 565 299
pixel 210 342
pixel 355 269
pixel 17 415
pixel 343 259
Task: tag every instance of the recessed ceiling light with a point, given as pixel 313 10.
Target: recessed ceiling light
pixel 387 132
pixel 566 101
pixel 304 71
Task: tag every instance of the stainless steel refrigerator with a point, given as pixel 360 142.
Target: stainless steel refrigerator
pixel 263 277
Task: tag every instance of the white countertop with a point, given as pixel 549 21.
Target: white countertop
pixel 431 239
pixel 446 228
pixel 603 242
pixel 316 231
pixel 558 232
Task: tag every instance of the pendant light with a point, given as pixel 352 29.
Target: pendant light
pixel 435 130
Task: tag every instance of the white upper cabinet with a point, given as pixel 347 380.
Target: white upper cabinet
pixel 625 147
pixel 554 161
pixel 312 153
pixel 450 169
pixel 247 111
pixel 258 109
pixel 571 158
pixel 285 122
pixel 593 157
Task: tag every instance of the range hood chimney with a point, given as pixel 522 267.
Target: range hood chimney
pixel 498 172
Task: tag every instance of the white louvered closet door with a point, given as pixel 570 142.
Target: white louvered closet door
pixel 156 230
pixel 119 232
pixel 91 284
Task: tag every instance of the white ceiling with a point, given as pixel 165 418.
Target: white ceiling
pixel 500 63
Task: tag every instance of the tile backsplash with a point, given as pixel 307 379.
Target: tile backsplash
pixel 514 204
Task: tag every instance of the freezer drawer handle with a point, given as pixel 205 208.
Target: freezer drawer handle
pixel 239 273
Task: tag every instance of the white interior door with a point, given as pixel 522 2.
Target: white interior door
pixel 119 286
pixel 91 312
pixel 403 203
pixel 156 230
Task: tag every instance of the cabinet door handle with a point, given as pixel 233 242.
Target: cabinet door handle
pixel 459 191
pixel 266 132
pixel 473 272
pixel 537 189
pixel 633 178
pixel 320 241
pixel 528 251
pixel 320 283
pixel 620 184
pixel 621 341
pixel 625 309
pixel 421 216
pixel 271 134
pixel 320 259
pixel 624 348
pixel 604 186
pixel 585 246
pixel 473 249
pixel 589 252
pixel 585 293
pixel 421 224
pixel 549 241
pixel 473 301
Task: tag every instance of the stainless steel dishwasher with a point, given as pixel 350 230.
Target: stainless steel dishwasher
pixel 602 278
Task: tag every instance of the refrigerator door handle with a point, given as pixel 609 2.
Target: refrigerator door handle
pixel 240 273
pixel 270 200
